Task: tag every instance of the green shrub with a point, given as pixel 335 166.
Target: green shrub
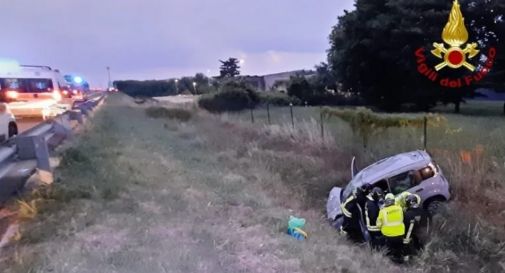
pixel 233 96
pixel 367 123
pixel 170 113
pixel 278 99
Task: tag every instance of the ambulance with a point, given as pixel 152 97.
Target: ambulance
pixel 34 91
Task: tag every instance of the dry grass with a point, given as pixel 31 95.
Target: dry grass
pixel 155 195
pixel 170 113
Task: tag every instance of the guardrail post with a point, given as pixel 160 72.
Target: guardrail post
pixel 85 108
pixel 34 147
pixel 75 115
pixel 268 114
pixel 292 116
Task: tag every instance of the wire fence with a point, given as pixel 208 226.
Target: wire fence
pixel 295 115
pixel 459 133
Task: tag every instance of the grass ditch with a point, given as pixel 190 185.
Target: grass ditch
pixel 194 191
pixel 170 113
pixel 465 238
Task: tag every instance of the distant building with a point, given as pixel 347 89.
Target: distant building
pixel 279 80
pixel 274 82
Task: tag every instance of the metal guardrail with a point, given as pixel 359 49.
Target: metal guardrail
pixel 35 143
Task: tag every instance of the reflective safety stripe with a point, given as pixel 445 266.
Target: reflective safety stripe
pixel 368 226
pixel 409 233
pixel 373 228
pixel 392 224
pixel 346 212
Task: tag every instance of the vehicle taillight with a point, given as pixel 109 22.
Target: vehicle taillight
pixel 75 92
pixel 57 95
pixel 12 94
pixel 65 92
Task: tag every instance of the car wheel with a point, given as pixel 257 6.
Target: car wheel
pixel 434 207
pixel 13 129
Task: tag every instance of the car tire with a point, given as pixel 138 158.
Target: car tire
pixel 435 206
pixel 13 129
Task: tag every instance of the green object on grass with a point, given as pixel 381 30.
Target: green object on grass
pixel 295 226
pixel 295 222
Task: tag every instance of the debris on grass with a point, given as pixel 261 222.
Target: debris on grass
pixel 295 228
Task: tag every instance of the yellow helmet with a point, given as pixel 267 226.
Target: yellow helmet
pixel 389 200
pixel 389 196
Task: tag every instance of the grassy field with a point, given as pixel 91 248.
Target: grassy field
pixel 141 191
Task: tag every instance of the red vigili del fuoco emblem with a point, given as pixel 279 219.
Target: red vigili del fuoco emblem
pixel 455 53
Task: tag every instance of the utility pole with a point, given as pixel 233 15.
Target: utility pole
pixel 109 85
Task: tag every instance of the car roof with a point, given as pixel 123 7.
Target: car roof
pixel 394 165
pixel 31 73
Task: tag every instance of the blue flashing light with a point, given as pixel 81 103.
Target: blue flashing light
pixel 78 80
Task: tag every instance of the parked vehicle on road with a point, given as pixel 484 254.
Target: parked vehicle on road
pixel 8 125
pixel 415 172
pixel 79 88
pixel 30 83
pixel 32 90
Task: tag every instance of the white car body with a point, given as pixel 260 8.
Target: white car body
pixel 414 172
pixel 8 125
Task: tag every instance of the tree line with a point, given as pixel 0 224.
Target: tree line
pixel 196 85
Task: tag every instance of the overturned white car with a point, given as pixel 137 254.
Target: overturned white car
pixel 414 172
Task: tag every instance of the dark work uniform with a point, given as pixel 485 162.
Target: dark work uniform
pixel 372 209
pixel 416 229
pixel 361 199
pixel 352 214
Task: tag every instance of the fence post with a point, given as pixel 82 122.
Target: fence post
pixel 292 117
pixel 252 116
pixel 322 122
pixel 268 114
pixel 425 138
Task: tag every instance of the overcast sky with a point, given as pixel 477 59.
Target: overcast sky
pixel 159 39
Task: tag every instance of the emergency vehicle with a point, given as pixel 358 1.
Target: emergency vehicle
pixel 33 91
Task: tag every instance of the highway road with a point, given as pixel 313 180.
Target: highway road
pixel 9 184
pixel 27 123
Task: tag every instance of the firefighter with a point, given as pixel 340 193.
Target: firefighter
pixel 361 196
pixel 372 208
pixel 401 198
pixel 352 209
pixel 417 225
pixel 390 222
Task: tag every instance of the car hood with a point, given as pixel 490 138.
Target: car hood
pixel 333 209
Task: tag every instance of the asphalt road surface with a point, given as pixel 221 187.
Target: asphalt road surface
pixel 27 123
